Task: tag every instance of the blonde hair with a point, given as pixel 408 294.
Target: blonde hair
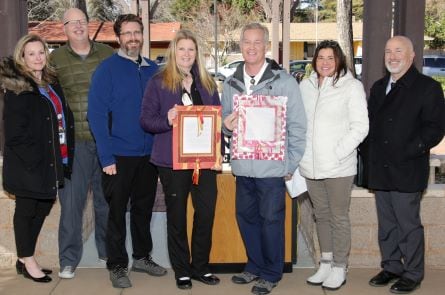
pixel 48 73
pixel 172 76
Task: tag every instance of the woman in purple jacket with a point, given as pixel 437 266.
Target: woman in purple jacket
pixel 183 81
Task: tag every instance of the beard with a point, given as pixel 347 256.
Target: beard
pixel 133 50
pixel 395 69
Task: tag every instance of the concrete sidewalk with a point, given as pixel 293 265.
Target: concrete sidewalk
pixel 89 281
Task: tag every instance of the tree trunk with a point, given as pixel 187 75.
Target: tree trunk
pixel 344 29
pixel 82 5
pixel 293 8
pixel 154 5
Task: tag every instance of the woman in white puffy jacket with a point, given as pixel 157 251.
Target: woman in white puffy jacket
pixel 337 121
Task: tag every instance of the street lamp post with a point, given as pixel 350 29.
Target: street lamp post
pixel 215 12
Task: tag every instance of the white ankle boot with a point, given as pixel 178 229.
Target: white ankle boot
pixel 323 271
pixel 336 278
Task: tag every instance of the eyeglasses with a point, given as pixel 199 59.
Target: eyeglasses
pixel 129 34
pixel 74 22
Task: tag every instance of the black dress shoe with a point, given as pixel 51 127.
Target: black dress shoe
pixel 184 284
pixel 404 286
pixel 44 279
pixel 383 278
pixel 19 266
pixel 209 279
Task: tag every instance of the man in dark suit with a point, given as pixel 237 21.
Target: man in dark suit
pixel 407 118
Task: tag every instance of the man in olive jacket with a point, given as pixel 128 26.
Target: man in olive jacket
pixel 406 114
pixel 75 62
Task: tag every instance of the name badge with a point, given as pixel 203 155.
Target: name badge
pixel 186 100
pixel 62 137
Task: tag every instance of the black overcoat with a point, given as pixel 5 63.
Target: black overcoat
pixel 403 126
pixel 32 162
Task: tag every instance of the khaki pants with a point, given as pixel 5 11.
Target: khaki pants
pixel 331 199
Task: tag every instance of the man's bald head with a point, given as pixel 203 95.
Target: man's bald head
pixel 399 56
pixel 73 14
pixel 405 40
pixel 75 26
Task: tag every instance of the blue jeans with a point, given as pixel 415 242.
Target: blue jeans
pixel 260 212
pixel 86 173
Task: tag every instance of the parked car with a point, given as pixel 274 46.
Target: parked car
pixel 160 59
pixel 434 65
pixel 297 68
pixel 229 68
pixel 218 76
pixel 358 66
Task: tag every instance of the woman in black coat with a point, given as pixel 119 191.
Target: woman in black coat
pixel 38 152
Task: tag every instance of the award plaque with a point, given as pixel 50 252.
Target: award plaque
pixel 197 138
pixel 261 130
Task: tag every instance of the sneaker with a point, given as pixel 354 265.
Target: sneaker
pixel 336 279
pixel 119 277
pixel 244 278
pixel 66 272
pixel 263 287
pixel 147 265
pixel 103 259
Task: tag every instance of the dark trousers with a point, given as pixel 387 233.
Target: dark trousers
pixel 260 212
pixel 29 216
pixel 136 180
pixel 177 185
pixel 401 236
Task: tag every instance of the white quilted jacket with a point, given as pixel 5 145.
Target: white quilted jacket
pixel 337 122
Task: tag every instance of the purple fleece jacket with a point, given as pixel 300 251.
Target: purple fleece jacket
pixel 155 105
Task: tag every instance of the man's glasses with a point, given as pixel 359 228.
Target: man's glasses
pixel 80 22
pixel 129 34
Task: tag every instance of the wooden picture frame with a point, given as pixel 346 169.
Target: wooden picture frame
pixel 197 138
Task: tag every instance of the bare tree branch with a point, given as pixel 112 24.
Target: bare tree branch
pixel 293 7
pixel 267 8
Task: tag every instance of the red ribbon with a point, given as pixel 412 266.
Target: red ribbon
pixel 195 176
pixel 200 123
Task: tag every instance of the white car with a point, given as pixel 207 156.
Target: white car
pixel 229 68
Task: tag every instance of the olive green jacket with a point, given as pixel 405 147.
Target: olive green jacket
pixel 74 74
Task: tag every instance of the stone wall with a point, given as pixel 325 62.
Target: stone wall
pixel 364 249
pixel 47 249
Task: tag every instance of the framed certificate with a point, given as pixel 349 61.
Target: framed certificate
pixel 197 138
pixel 261 130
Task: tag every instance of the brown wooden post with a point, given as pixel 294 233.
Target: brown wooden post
pixel 409 20
pixel 14 24
pixel 376 31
